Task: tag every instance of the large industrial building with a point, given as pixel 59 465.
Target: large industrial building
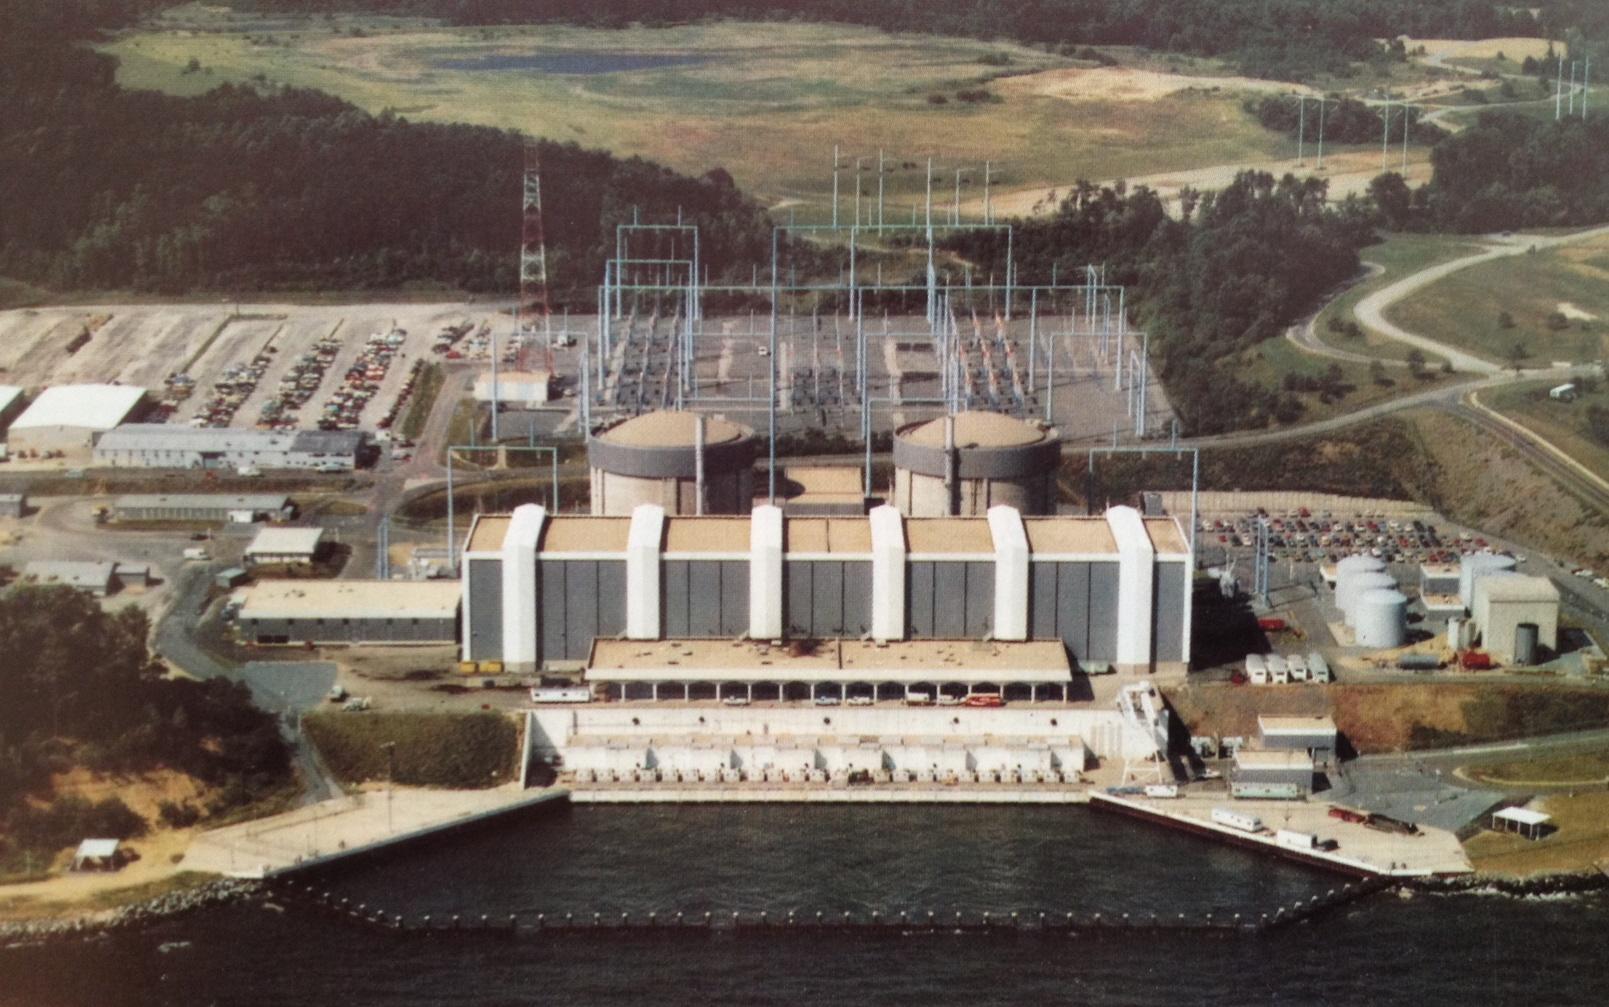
pixel 348 611
pixel 160 445
pixel 681 461
pixel 209 507
pixel 72 418
pixel 964 464
pixel 541 590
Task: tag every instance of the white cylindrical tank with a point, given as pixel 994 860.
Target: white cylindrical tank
pixel 1346 570
pixel 1455 633
pixel 1358 586
pixel 1478 565
pixel 1381 619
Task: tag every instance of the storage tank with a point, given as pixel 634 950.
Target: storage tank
pixel 660 458
pixel 1381 619
pixel 1348 568
pixel 1526 637
pixel 966 463
pixel 1475 566
pixel 1360 585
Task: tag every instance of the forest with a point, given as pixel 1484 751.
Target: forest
pixel 79 689
pixel 1346 120
pixel 254 189
pixel 1285 39
pixel 1511 171
pixel 1243 263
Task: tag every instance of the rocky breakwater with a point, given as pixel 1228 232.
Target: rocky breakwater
pixel 134 916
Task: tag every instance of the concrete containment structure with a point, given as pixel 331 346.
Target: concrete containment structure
pixel 660 458
pixel 1111 590
pixel 1381 618
pixel 964 464
pixel 71 418
pixel 1477 565
pixel 1504 602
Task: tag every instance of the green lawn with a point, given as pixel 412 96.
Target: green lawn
pixel 1465 309
pixel 1399 255
pixel 765 101
pixel 1564 424
pixel 1268 364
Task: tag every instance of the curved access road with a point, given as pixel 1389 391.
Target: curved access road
pixel 1371 310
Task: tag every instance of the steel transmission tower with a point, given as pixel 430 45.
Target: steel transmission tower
pixel 533 261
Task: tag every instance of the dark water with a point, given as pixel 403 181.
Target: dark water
pixel 571 63
pixel 1428 950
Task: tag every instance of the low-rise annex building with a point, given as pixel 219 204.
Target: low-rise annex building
pixel 163 445
pixel 348 611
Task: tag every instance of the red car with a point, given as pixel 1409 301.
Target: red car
pixel 987 699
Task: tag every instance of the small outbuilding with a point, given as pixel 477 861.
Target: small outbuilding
pixel 13 504
pixel 1271 774
pixel 350 611
pixel 285 546
pixel 1533 825
pixel 1315 736
pixel 1506 602
pixel 98 855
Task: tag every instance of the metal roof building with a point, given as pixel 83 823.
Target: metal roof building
pixel 1259 773
pixel 202 507
pixel 349 611
pixel 93 576
pixel 1504 602
pixel 1315 735
pixel 285 545
pixel 71 418
pixel 162 445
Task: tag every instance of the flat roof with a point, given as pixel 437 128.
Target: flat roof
pixel 182 437
pixel 487 533
pixel 1257 758
pixel 939 535
pixel 1295 725
pixel 285 542
pixel 667 429
pixel 350 599
pixel 1438 569
pixel 827 661
pixel 977 429
pixel 93 407
pixel 1069 535
pixel 824 480
pixel 1516 587
pixel 73 573
pixel 707 534
pixel 582 534
pixel 827 534
pixel 1165 535
pixel 1523 816
pixel 198 501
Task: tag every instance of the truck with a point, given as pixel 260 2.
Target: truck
pixel 197 552
pixel 1239 820
pixel 1475 660
pixel 561 694
pixel 1296 840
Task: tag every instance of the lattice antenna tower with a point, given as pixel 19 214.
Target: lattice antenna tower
pixel 534 260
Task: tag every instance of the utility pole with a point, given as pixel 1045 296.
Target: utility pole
pixel 1586 88
pixel 1407 114
pixel 988 215
pixel 879 189
pixel 1301 124
pixel 1321 133
pixel 857 191
pixel 1558 90
pixel 835 187
pixel 1385 132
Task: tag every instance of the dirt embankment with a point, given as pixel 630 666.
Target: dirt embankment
pixel 1399 717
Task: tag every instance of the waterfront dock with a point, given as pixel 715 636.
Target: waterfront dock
pixel 825 794
pixel 359 823
pixel 1358 850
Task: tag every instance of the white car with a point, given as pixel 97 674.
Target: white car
pixel 861 701
pixel 826 701
pixel 736 701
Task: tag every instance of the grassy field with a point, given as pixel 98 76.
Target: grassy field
pixel 1399 255
pixel 767 102
pixel 431 749
pixel 1564 424
pixel 1268 364
pixel 1466 308
pixel 1582 840
pixel 1571 769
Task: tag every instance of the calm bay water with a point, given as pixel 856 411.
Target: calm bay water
pixel 1428 950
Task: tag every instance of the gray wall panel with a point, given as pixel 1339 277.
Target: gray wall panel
pixel 704 588
pixel 673 598
pixel 799 597
pixel 554 600
pixel 1042 601
pixel 949 601
pixel 581 607
pixel 919 600
pixel 980 600
pixel 734 598
pixel 1072 606
pixel 827 610
pixel 486 610
pixel 611 597
pixel 857 617
pixel 1103 580
pixel 1171 598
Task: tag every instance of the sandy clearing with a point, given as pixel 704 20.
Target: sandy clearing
pixel 1108 83
pixel 1574 313
pixel 1348 173
pixel 1515 48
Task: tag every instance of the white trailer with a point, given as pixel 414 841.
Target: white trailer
pixel 1239 820
pixel 567 694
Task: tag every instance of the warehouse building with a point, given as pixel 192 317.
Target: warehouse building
pixel 93 577
pixel 72 418
pixel 1111 590
pixel 348 611
pixel 1279 774
pixel 285 546
pixel 1518 616
pixel 213 507
pixel 161 445
pixel 1313 735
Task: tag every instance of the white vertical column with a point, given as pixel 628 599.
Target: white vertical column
pixel 888 574
pixel 765 573
pixel 642 571
pixel 1010 573
pixel 519 586
pixel 1136 587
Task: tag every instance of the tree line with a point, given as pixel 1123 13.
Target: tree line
pixel 1231 270
pixel 260 188
pixel 1346 120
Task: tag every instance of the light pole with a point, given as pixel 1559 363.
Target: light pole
pixel 390 776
